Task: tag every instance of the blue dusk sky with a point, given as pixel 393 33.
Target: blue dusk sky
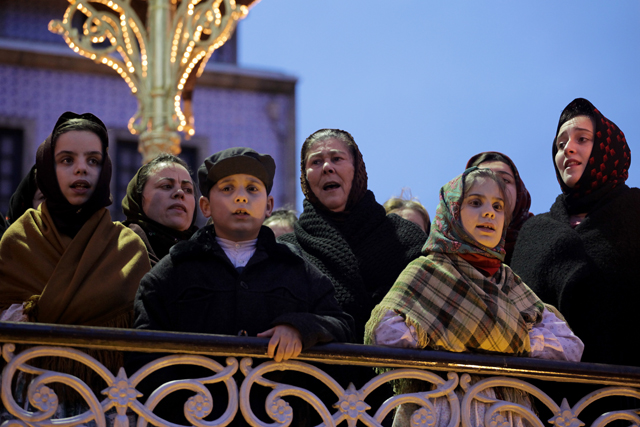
pixel 423 85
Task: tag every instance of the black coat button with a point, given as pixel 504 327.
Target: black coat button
pixel 244 285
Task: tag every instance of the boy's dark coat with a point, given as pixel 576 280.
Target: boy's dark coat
pixel 197 289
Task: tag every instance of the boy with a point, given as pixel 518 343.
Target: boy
pixel 232 277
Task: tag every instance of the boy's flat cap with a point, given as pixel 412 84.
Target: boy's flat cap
pixel 233 161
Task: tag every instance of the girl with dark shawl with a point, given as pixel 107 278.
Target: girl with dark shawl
pixel 518 195
pixel 348 236
pixel 460 297
pixel 581 255
pixel 67 262
pixel 165 188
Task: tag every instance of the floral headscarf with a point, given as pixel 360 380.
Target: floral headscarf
pixel 447 232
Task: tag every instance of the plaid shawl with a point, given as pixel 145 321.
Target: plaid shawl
pixel 451 304
pixel 453 307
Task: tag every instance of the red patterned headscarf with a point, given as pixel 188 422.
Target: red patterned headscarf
pixel 608 164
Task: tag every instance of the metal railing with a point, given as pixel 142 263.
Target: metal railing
pixel 461 391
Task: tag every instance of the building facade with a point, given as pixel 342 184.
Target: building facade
pixel 41 77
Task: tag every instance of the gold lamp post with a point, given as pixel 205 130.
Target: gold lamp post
pixel 156 60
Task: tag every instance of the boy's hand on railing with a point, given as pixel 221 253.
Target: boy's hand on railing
pixel 287 341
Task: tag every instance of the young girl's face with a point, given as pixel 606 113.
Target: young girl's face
pixel 78 160
pixel 482 212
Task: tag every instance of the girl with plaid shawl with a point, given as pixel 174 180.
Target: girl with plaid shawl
pixel 460 297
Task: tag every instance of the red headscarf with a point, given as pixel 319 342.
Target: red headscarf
pixel 608 165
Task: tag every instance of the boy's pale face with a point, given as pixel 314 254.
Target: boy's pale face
pixel 238 205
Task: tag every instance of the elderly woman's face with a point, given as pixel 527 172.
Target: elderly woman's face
pixel 329 168
pixel 168 197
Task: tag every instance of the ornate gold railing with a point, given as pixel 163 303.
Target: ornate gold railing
pixel 348 406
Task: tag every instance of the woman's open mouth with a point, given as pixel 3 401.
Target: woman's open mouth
pixel 330 186
pixel 486 227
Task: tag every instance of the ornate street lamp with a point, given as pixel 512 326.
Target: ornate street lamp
pixel 156 60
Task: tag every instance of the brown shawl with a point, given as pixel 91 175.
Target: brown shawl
pixel 63 279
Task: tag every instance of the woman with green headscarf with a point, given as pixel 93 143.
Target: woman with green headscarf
pixel 460 297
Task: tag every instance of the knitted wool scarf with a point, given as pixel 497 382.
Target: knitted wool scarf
pixel 362 255
pixel 608 164
pixel 451 304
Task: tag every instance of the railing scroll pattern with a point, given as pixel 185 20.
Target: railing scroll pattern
pixel 119 403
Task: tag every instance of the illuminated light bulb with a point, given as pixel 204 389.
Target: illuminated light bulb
pixel 191 132
pixel 115 7
pixel 180 128
pixel 183 123
pixel 180 87
pixel 132 70
pixel 110 4
pixel 71 45
pixel 104 60
pixel 182 81
pixel 93 56
pixel 190 12
pixel 76 49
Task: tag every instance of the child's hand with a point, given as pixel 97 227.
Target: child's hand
pixel 286 338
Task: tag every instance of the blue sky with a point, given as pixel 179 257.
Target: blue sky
pixel 423 85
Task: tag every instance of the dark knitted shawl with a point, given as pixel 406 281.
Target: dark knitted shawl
pixel 363 256
pixel 589 272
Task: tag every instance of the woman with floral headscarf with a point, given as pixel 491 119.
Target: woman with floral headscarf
pixel 581 256
pixel 519 198
pixel 460 297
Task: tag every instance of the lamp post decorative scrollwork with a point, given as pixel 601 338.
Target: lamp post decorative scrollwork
pixel 158 60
